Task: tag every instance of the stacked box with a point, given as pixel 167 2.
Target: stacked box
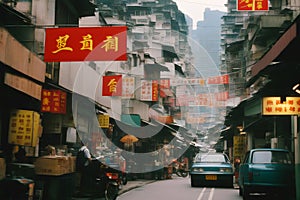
pixel 72 160
pixel 53 165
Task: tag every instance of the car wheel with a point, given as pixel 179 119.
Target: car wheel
pixel 240 191
pixel 246 194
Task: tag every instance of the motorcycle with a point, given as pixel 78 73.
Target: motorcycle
pixel 106 181
pixel 179 168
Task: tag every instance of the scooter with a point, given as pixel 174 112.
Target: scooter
pixel 179 168
pixel 106 182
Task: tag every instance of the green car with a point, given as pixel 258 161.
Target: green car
pixel 211 169
pixel 267 172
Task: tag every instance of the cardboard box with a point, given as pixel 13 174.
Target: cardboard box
pixel 72 160
pixel 53 165
pixel 2 168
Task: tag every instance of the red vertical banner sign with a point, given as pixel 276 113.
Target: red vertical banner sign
pixel 224 79
pixel 252 5
pixel 112 85
pixel 54 101
pixel 58 101
pixel 86 44
pixel 46 100
pixel 154 90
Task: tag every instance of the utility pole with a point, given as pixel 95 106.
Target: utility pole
pixel 295 133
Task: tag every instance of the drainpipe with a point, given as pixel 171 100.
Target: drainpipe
pixel 294 120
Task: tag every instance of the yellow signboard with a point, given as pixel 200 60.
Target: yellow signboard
pixel 103 121
pixel 275 106
pixel 239 146
pixel 24 128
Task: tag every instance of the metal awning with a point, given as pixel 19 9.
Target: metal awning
pixel 155 66
pixel 169 51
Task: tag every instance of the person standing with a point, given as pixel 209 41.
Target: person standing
pixel 83 166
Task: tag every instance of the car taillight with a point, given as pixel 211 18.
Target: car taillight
pixel 112 175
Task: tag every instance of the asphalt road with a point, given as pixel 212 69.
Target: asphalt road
pixel 179 189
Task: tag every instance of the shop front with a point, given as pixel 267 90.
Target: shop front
pixel 20 120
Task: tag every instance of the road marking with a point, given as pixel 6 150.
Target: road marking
pixel 201 194
pixel 211 194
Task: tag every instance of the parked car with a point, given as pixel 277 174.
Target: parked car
pixel 268 172
pixel 211 169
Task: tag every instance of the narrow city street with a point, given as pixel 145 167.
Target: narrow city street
pixel 123 98
pixel 179 188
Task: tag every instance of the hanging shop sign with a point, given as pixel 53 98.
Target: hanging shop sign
pixel 128 87
pixel 275 106
pixel 224 79
pixel 187 81
pixel 54 101
pixel 149 90
pixel 164 88
pixel 24 128
pixel 239 146
pixel 103 121
pixel 86 44
pixel 252 5
pixel 164 83
pixel 112 85
pixel 214 99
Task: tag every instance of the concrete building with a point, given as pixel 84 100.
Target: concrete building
pixel 259 55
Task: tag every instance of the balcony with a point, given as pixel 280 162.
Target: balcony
pixel 273 21
pixel 268 28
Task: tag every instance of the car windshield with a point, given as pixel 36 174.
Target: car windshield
pixel 210 158
pixel 271 157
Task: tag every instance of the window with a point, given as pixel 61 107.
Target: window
pixel 262 157
pixel 271 157
pixel 211 158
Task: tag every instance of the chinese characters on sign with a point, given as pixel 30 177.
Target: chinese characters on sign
pixel 239 146
pixel 128 87
pixel 86 44
pixel 112 85
pixel 149 90
pixel 252 5
pixel 103 121
pixel 274 106
pixel 223 79
pixel 24 128
pixel 54 101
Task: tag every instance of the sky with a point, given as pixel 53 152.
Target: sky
pixel 195 8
